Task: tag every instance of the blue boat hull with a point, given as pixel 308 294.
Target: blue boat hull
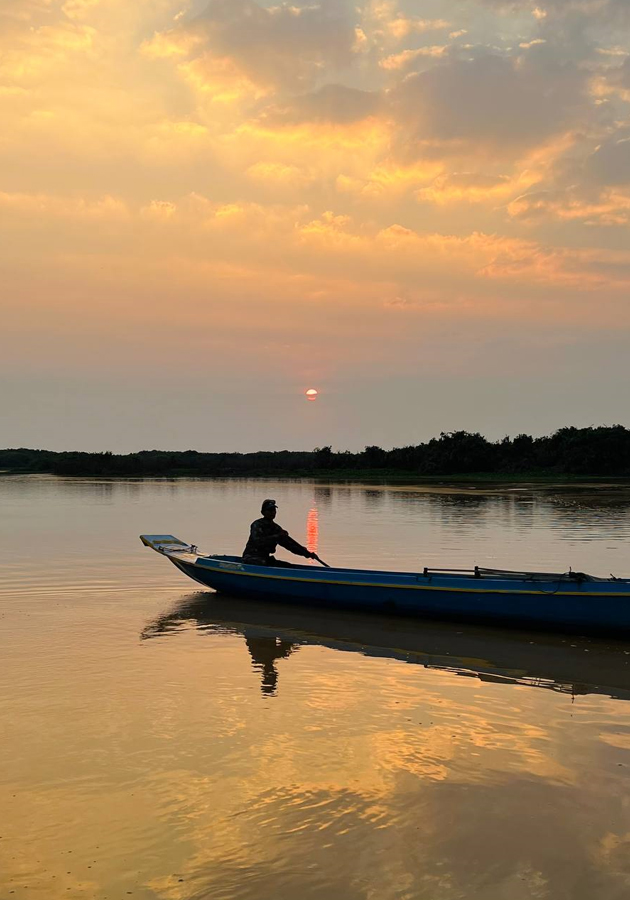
pixel 562 602
pixel 574 607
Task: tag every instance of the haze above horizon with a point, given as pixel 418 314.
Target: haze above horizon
pixel 420 209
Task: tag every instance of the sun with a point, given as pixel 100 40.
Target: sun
pixel 311 394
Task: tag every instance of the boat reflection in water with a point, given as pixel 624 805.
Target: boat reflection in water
pixel 274 632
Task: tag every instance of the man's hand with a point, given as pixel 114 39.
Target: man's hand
pixel 312 555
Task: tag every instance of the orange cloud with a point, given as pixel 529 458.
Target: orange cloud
pixel 52 207
pixel 279 174
pixel 470 187
pixel 403 26
pixel 606 208
pixel 402 60
pixel 291 239
pixel 266 46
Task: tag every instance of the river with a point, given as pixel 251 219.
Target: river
pixel 162 743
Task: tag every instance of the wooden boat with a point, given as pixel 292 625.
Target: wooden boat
pixel 569 601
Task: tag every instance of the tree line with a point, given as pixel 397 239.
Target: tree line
pixel 603 451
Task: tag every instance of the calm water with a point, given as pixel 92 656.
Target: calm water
pixel 158 743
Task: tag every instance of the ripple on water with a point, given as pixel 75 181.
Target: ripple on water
pixel 175 746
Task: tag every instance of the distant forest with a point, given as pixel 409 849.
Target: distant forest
pixel 601 451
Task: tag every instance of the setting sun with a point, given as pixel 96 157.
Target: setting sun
pixel 408 193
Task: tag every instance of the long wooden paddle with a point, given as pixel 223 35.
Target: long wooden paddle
pixel 315 556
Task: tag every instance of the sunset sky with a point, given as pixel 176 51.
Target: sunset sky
pixel 421 209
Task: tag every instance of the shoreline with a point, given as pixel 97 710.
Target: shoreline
pixel 364 476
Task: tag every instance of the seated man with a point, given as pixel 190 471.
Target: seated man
pixel 265 535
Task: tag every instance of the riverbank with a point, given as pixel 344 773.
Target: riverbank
pixel 570 453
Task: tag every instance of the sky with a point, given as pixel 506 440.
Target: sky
pixel 420 209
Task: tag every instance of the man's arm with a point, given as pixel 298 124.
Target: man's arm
pixel 289 544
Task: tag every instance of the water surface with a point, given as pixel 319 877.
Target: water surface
pixel 161 742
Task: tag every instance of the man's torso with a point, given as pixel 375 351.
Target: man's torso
pixel 263 539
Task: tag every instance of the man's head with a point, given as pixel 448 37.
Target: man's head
pixel 268 509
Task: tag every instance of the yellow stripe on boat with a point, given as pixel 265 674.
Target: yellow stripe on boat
pixel 408 587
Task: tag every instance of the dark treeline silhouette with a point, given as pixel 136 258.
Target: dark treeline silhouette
pixel 603 451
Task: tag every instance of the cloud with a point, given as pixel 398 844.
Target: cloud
pixel 407 58
pixel 621 75
pixel 332 245
pixel 281 46
pixel 18 11
pixel 488 104
pixel 79 9
pixel 592 189
pixel 383 25
pixel 605 208
pixel 279 175
pixel 597 10
pixel 611 83
pixel 471 187
pixel 610 163
pixel 402 26
pixel 31 54
pixel 333 103
pixel 388 180
pixel 42 206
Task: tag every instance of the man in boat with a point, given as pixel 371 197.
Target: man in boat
pixel 264 537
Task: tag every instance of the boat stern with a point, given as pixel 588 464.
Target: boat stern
pixel 163 543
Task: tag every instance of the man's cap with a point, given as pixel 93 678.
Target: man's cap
pixel 268 504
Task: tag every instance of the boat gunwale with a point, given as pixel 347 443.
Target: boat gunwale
pixel 232 566
pixel 322 577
